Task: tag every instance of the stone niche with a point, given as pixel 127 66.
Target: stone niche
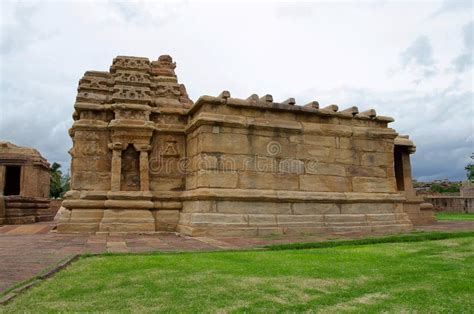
pixel 145 158
pixel 24 185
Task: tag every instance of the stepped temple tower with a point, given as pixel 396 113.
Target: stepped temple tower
pixel 24 185
pixel 145 158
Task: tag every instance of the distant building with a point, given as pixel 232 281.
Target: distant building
pixel 24 185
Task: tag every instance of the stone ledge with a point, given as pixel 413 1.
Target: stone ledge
pixel 294 196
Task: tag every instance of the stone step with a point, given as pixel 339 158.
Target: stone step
pixel 261 220
pixel 224 230
pixel 126 220
pixel 20 220
pixel 390 228
pixel 19 212
pixel 26 205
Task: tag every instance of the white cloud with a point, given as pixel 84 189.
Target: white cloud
pixel 419 58
pixel 464 61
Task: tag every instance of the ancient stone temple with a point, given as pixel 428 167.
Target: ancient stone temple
pixel 145 158
pixel 24 185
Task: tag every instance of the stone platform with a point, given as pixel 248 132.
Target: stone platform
pixel 22 210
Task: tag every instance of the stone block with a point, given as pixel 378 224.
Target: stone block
pixel 367 208
pixel 344 156
pixel 291 166
pixel 237 207
pixel 123 220
pixel 375 218
pixel 73 227
pixel 198 206
pixel 262 220
pixel 166 220
pixel 93 216
pixel 216 179
pixel 326 129
pixel 391 228
pixel 269 231
pixel 223 143
pixel 349 229
pixel 301 220
pixel 312 167
pixel 374 185
pixel 166 184
pixel 314 152
pixel 369 145
pixel 302 230
pixel 314 140
pixel 315 208
pixel 376 159
pixel 319 183
pixel 273 181
pixel 206 219
pixel 345 218
pixel 360 171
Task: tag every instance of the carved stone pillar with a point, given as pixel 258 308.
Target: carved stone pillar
pixel 144 167
pixel 407 181
pixel 116 165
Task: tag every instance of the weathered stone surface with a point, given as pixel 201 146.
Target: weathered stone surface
pixel 320 183
pixel 253 207
pixel 166 220
pixel 368 184
pixel 359 171
pixel 146 159
pixel 274 181
pixel 204 219
pixel 300 220
pixel 315 208
pixel 312 167
pixel 199 206
pixel 262 220
pixel 367 208
pixel 116 220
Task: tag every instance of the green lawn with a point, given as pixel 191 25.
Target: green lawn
pixel 454 216
pixel 428 276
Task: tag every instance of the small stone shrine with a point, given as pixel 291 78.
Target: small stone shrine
pixel 24 185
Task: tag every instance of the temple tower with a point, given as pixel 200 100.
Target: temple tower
pixel 127 136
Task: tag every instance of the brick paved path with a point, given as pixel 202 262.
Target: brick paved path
pixel 27 250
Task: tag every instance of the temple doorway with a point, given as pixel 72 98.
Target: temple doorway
pixel 12 180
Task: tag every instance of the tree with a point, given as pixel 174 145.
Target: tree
pixel 65 184
pixel 470 170
pixel 59 182
pixel 56 174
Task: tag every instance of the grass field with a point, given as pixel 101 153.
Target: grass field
pixel 428 276
pixel 454 216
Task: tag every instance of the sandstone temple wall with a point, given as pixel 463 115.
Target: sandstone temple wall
pixel 146 159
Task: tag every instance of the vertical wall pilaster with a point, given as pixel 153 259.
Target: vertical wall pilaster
pixel 144 167
pixel 2 179
pixel 116 166
pixel 407 179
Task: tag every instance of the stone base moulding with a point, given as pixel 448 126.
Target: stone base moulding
pixel 229 212
pixel 25 210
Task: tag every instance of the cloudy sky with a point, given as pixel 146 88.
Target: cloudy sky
pixel 409 60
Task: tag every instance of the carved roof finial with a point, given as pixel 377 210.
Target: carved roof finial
pixel 164 66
